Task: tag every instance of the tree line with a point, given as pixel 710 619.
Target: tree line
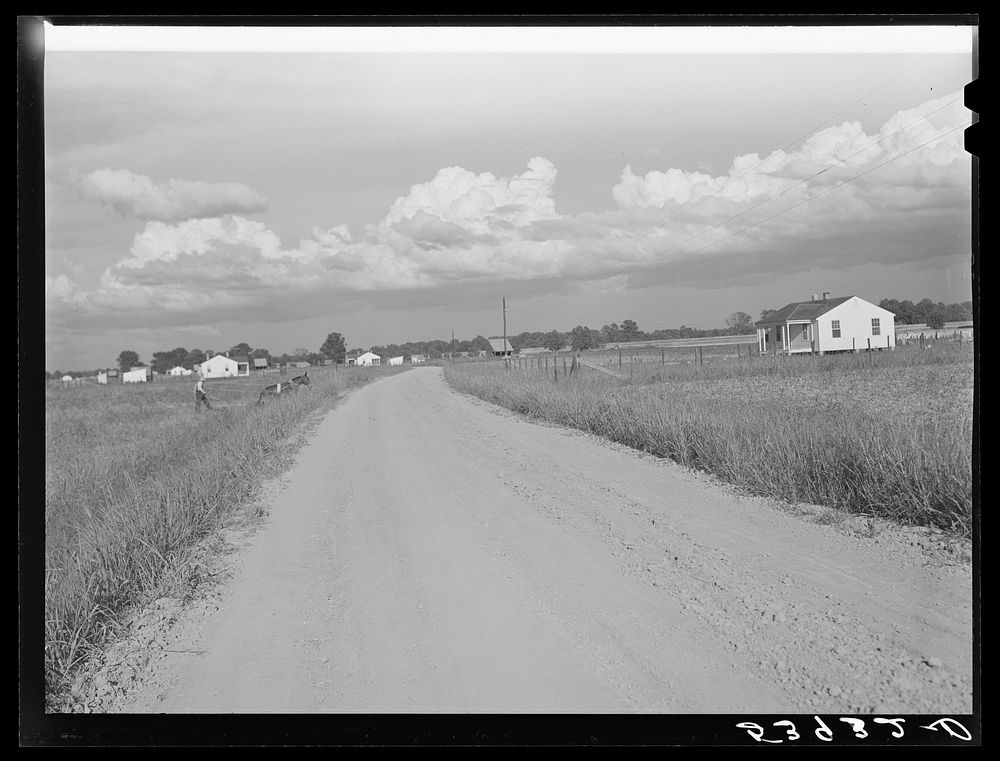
pixel 580 338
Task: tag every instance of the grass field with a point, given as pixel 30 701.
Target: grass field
pixel 134 477
pixel 885 434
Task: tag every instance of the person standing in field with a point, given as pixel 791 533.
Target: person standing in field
pixel 200 397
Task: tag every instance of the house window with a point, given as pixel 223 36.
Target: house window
pixel 875 326
pixel 835 324
pixel 777 335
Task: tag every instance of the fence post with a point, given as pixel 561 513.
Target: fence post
pixel 619 358
pixel 701 359
pixel 663 356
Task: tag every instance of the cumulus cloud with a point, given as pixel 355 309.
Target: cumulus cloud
pixel 787 211
pixel 135 195
pixel 481 203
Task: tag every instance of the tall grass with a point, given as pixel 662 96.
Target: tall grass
pixel 884 434
pixel 134 478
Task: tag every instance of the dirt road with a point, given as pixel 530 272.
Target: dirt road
pixel 430 553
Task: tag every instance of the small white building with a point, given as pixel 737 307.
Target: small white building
pixel 67 379
pixel 178 371
pixel 260 363
pixel 417 359
pixel 138 375
pixel 221 366
pixel 844 323
pixel 368 359
pixel 395 360
pixel 102 378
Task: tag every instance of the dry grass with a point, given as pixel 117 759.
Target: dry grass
pixel 884 434
pixel 135 477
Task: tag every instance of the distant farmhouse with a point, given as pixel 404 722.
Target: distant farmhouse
pixel 417 359
pixel 178 371
pixel 221 366
pixel 136 375
pixel 395 360
pixel 500 347
pixel 260 363
pixel 368 359
pixel 844 323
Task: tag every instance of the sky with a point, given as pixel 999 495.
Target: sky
pixel 394 185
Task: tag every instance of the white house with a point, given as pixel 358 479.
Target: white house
pixel 135 376
pixel 395 360
pixel 417 359
pixel 369 360
pixel 844 323
pixel 221 366
pixel 178 371
pixel 102 378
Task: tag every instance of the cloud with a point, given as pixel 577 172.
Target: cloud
pixel 481 203
pixel 135 195
pixel 900 195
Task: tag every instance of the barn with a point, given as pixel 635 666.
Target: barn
pixel 260 363
pixel 500 347
pixel 368 359
pixel 221 366
pixel 843 323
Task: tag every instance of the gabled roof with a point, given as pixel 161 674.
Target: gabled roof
pixel 497 344
pixel 260 361
pixel 369 354
pixel 803 310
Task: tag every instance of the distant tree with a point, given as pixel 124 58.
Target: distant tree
pixel 935 318
pixel 581 338
pixel 612 333
pixel 554 340
pixel 630 330
pixel 334 347
pixel 765 313
pixel 907 312
pixel 167 360
pixel 241 349
pixel 301 354
pixel 194 357
pixel 127 359
pixel 740 323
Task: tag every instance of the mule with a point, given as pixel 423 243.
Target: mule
pixel 276 389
